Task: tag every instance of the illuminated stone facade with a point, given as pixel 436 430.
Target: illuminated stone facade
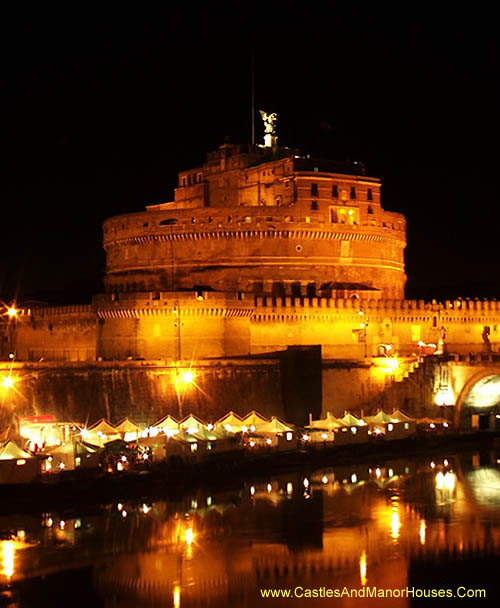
pixel 264 222
pixel 260 251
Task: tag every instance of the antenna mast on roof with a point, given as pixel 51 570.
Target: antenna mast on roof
pixel 253 97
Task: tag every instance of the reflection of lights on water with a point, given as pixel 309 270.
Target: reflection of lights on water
pixel 439 481
pixel 395 525
pixel 445 481
pixel 177 596
pixel 8 558
pixel 422 532
pixel 362 568
pixel 485 485
pixel 189 536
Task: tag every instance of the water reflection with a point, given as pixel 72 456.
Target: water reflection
pixel 352 526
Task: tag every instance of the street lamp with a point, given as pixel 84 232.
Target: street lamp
pixel 7 382
pixel 12 311
pixel 364 328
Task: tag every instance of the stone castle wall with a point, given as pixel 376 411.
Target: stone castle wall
pixel 280 251
pixel 145 392
pixel 197 325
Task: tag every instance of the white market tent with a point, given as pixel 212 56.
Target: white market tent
pixel 167 423
pixel 127 426
pixel 349 420
pixel 275 427
pixel 191 423
pixel 102 426
pixel 231 422
pixel 11 451
pixel 328 424
pixel 400 416
pixel 379 418
pixel 254 419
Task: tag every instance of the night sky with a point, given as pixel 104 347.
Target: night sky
pixel 97 117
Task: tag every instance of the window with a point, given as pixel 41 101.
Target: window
pixel 314 205
pixel 369 194
pixel 353 193
pixel 314 189
pixel 184 181
pixel 370 210
pixel 344 215
pixel 335 191
pixel 168 222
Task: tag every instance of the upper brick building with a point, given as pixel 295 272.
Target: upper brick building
pixel 267 221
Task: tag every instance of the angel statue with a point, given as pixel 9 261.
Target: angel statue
pixel 270 137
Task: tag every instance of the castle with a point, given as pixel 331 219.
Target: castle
pixel 262 249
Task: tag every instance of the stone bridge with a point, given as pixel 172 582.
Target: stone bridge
pixel 470 383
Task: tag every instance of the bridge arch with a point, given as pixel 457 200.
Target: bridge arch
pixel 480 393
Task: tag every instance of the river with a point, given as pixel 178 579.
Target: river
pixel 403 528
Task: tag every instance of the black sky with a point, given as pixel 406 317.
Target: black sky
pixel 97 117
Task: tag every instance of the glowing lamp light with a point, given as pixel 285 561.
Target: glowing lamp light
pixel 252 444
pixel 268 441
pixel 324 479
pixel 269 487
pixel 354 478
pixel 324 436
pixel 187 377
pixel 362 568
pixel 84 433
pixel 7 382
pixel 305 437
pixel 306 483
pixel 378 472
pixel 252 491
pixel 210 426
pixel 252 428
pixel 244 429
pixel 12 311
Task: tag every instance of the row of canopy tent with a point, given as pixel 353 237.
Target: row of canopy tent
pixel 379 422
pixel 189 428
